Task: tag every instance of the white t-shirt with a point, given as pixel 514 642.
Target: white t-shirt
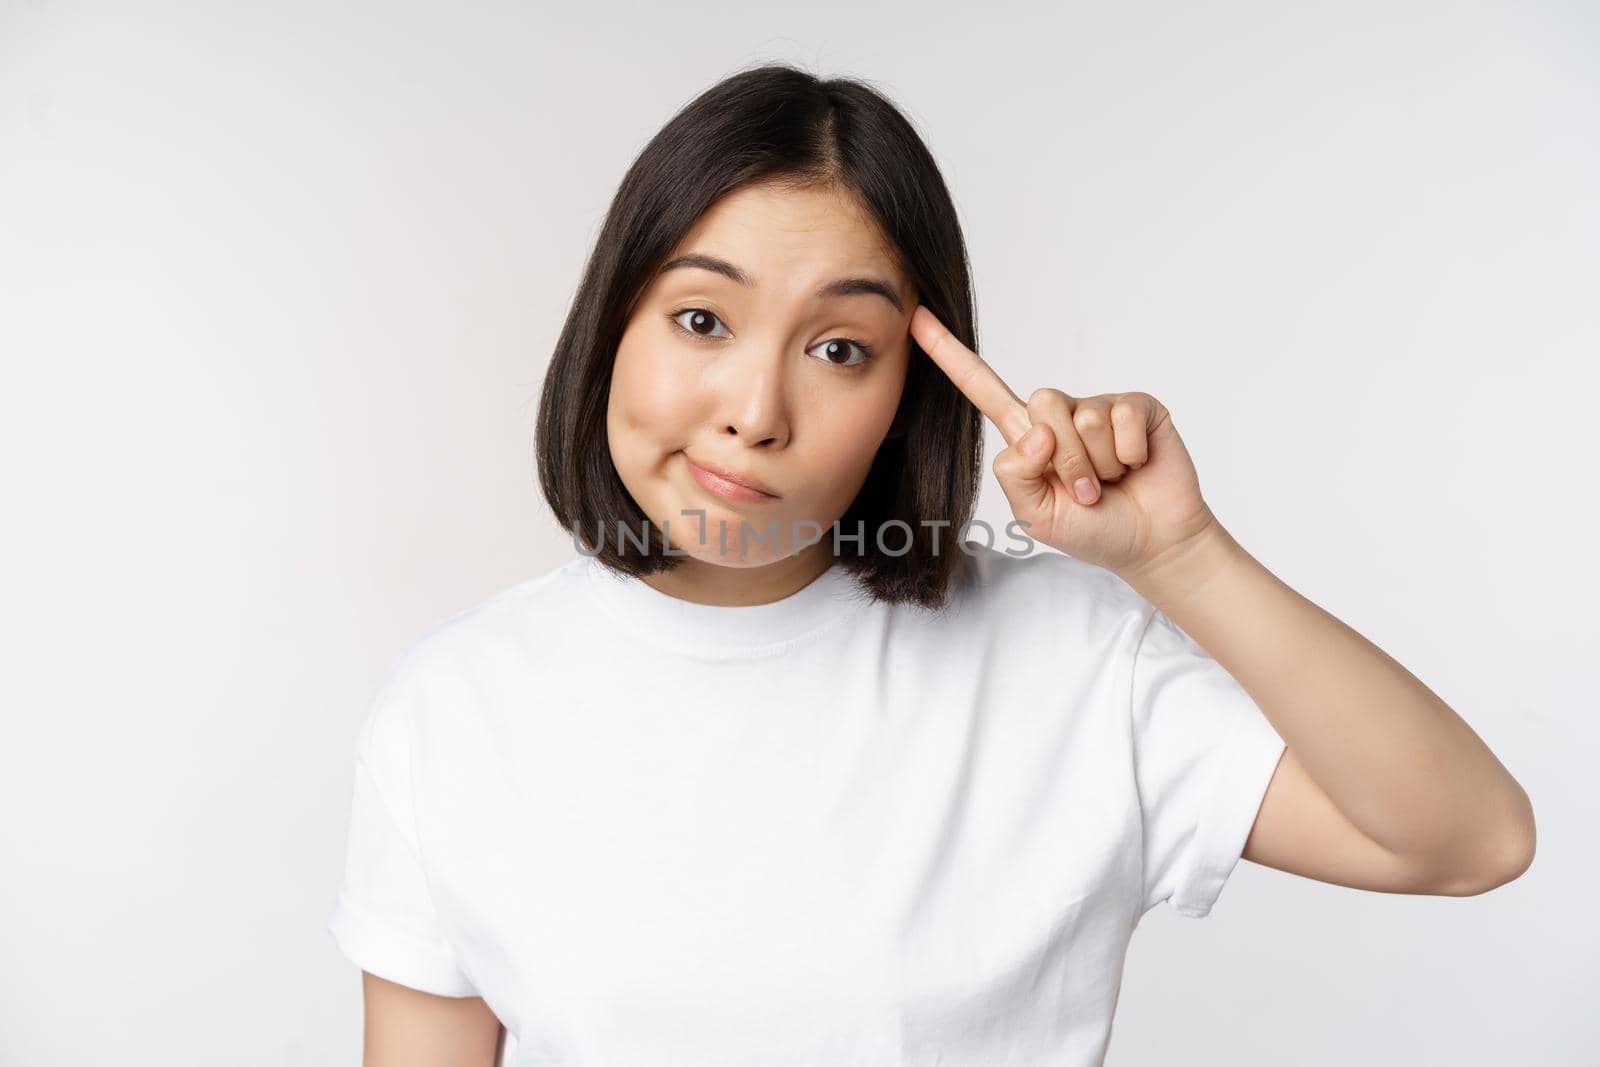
pixel 819 831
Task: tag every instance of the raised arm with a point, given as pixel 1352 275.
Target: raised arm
pixel 1382 785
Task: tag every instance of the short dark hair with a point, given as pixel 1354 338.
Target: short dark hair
pixel 777 124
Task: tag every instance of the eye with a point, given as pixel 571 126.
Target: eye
pixel 697 317
pixel 841 345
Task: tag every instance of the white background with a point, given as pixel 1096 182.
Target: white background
pixel 278 286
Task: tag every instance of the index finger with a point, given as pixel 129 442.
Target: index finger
pixel 977 380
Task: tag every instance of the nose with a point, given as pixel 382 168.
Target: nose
pixel 752 398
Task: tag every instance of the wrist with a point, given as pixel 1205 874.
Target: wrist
pixel 1183 568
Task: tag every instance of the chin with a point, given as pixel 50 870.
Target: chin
pixel 748 563
pixel 688 540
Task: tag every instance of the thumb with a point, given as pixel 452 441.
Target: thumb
pixel 1021 471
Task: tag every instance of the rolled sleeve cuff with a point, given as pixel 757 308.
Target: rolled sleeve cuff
pixel 392 952
pixel 1238 786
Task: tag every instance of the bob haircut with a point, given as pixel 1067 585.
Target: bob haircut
pixel 779 125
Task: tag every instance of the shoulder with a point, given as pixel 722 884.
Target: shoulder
pixel 508 623
pixel 1057 587
pixel 495 640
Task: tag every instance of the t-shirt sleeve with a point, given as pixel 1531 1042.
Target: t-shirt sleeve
pixel 1204 754
pixel 384 918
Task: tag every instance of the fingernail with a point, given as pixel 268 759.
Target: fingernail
pixel 1084 488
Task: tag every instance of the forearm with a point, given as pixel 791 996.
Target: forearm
pixel 1396 760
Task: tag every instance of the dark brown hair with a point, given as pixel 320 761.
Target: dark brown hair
pixel 777 124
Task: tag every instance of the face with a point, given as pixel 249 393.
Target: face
pixel 787 375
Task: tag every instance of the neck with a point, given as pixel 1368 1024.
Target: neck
pixel 700 582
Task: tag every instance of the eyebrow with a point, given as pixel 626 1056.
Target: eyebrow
pixel 841 287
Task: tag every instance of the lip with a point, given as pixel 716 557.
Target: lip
pixel 728 483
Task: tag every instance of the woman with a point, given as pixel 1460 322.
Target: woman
pixel 786 767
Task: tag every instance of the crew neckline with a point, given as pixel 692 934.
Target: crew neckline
pixel 715 631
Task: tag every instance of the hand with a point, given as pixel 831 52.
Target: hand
pixel 1143 499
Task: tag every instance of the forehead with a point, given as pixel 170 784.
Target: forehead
pixel 790 240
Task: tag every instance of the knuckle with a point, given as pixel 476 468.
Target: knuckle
pixel 1047 397
pixel 1089 417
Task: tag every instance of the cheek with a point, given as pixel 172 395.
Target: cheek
pixel 855 431
pixel 858 431
pixel 648 395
